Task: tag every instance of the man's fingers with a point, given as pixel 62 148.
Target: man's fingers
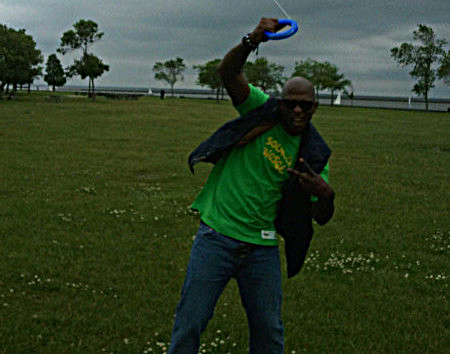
pixel 265 24
pixel 272 25
pixel 306 166
pixel 293 172
pixel 302 176
pixel 279 27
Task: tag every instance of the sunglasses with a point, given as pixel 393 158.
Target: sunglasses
pixel 304 105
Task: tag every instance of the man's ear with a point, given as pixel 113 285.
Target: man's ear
pixel 316 105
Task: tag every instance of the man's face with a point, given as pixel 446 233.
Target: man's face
pixel 297 109
pixel 298 105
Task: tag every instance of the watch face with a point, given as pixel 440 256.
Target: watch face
pixel 248 43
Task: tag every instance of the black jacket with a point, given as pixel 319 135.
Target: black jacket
pixel 293 221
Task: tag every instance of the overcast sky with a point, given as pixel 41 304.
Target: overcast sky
pixel 355 35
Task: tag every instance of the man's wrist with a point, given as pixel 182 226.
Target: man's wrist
pixel 329 195
pixel 249 43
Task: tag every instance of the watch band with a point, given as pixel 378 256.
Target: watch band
pixel 248 43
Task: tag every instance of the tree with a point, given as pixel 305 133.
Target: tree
pixel 19 58
pixel 311 70
pixel 32 74
pixel 261 73
pixel 90 66
pixel 422 57
pixel 208 75
pixel 323 75
pixel 85 34
pixel 170 71
pixel 444 70
pixel 55 72
pixel 333 80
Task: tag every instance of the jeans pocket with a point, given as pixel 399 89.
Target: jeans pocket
pixel 206 231
pixel 204 236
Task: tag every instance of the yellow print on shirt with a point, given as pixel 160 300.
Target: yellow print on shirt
pixel 275 153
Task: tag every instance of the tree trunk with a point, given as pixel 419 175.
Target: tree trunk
pixel 426 100
pixel 332 93
pixel 93 90
pixel 89 88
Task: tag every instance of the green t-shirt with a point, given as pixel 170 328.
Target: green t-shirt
pixel 240 197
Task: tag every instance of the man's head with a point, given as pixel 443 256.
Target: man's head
pixel 298 104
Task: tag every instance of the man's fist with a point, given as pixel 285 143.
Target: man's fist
pixel 265 24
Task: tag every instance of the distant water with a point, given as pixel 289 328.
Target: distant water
pixel 392 104
pixel 414 103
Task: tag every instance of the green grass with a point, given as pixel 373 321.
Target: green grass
pixel 95 230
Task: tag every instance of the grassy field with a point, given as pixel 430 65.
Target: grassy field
pixel 96 231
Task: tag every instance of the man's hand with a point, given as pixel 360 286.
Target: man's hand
pixel 265 24
pixel 314 184
pixel 230 70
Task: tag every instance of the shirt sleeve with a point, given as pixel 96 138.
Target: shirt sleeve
pixel 255 99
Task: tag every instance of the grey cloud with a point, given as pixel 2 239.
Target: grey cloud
pixel 354 35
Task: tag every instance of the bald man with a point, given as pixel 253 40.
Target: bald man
pixel 270 177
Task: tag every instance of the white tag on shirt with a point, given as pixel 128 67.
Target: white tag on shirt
pixel 268 235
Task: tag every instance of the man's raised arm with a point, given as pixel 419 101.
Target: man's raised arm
pixel 230 69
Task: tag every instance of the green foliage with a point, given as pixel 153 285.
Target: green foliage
pixel 55 72
pixel 85 33
pixel 170 71
pixel 311 70
pixel 88 66
pixel 444 70
pixel 261 73
pixel 208 75
pixel 19 58
pixel 422 57
pixel 335 81
pixel 323 75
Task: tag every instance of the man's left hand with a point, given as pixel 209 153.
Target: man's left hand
pixel 322 210
pixel 312 182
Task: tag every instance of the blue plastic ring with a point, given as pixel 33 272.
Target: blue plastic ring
pixel 282 35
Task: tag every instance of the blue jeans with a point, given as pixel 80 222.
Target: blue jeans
pixel 214 260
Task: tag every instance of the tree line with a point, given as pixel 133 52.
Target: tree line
pixel 20 59
pixel 427 56
pixel 20 64
pixel 261 73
